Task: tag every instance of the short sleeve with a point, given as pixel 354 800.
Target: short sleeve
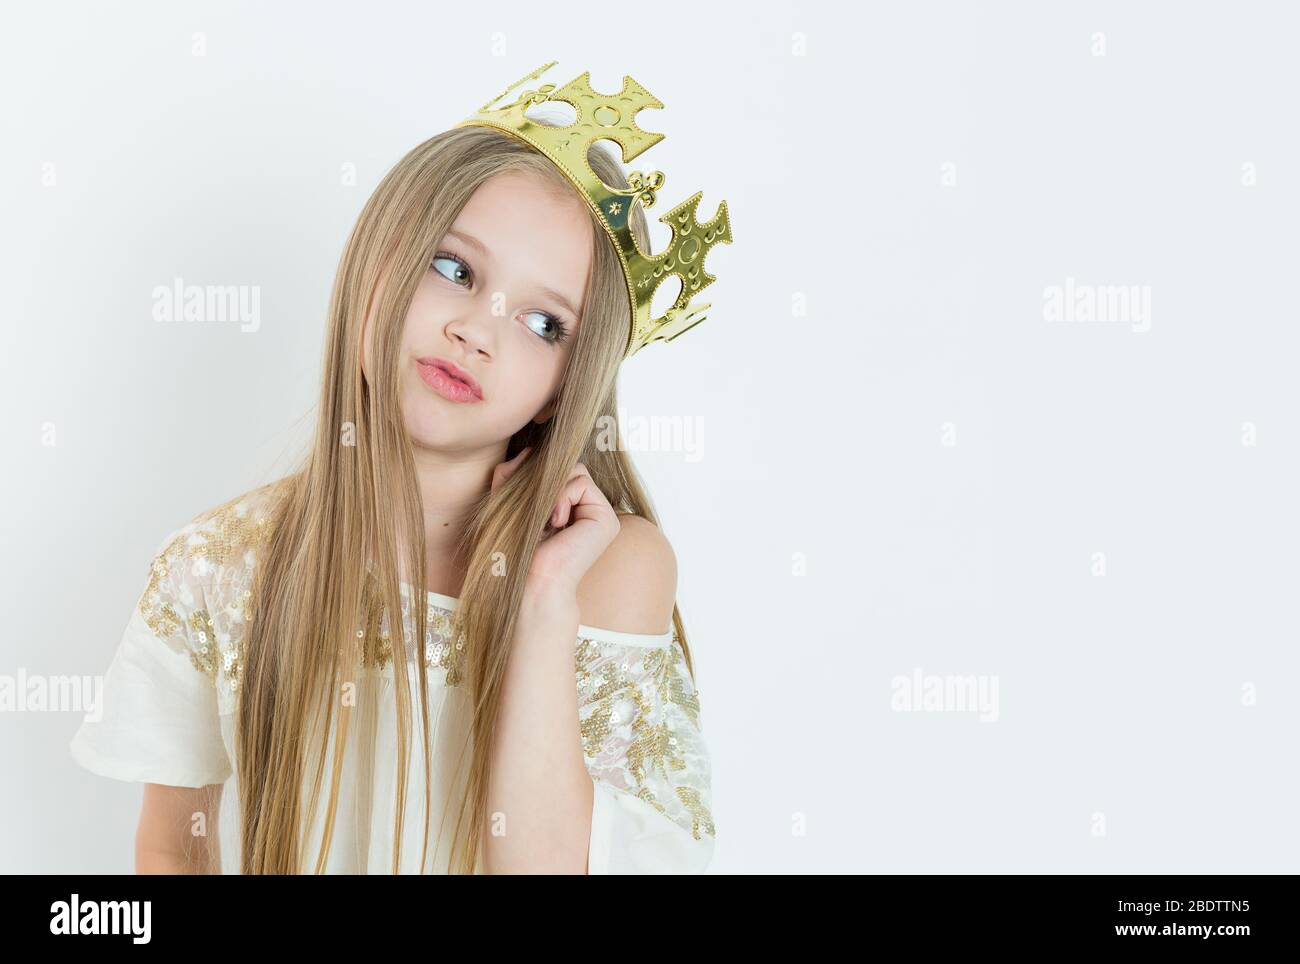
pixel 157 719
pixel 643 740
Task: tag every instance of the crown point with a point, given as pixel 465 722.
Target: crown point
pixel 613 117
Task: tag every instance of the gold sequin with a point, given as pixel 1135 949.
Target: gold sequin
pixel 642 686
pixel 443 647
pixel 156 608
pixel 205 654
pixel 210 542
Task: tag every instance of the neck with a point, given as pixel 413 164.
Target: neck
pixel 450 483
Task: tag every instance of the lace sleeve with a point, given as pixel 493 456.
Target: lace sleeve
pixel 157 718
pixel 643 741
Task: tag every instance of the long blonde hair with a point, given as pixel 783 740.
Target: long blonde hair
pixel 355 497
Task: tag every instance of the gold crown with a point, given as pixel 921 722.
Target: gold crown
pixel 613 117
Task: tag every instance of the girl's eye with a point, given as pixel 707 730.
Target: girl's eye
pixel 454 264
pixel 557 331
pixel 455 270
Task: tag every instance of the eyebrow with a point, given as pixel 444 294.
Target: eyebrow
pixel 482 249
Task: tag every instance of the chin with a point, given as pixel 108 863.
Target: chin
pixel 434 429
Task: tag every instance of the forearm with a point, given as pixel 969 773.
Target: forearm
pixel 177 832
pixel 540 793
pixel 179 853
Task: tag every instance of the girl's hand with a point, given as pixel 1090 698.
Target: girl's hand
pixel 581 527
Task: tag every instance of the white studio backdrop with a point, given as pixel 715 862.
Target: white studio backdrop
pixel 985 516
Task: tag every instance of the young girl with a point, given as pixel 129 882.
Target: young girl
pixel 482 306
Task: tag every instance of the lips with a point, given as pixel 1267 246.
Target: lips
pixel 449 380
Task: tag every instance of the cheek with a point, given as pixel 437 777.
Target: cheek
pixel 426 301
pixel 534 375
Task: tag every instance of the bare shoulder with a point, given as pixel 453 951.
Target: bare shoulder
pixel 632 587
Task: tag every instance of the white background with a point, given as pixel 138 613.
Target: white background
pixel 869 310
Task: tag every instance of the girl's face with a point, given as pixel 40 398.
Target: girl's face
pixel 499 304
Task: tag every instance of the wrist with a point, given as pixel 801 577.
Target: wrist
pixel 550 603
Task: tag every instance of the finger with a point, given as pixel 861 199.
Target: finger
pixel 559 514
pixel 570 496
pixel 506 469
pixel 580 498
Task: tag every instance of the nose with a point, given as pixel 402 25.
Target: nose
pixel 475 333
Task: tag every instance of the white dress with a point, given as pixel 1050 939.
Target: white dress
pixel 169 697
